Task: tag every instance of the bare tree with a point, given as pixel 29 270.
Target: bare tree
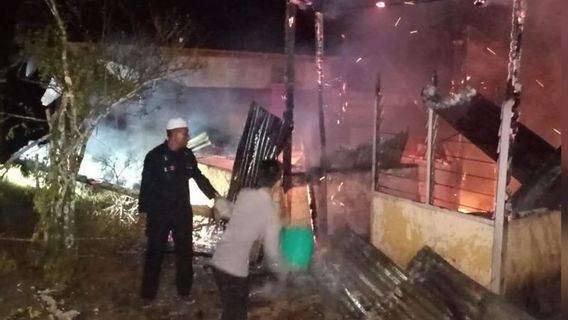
pixel 91 78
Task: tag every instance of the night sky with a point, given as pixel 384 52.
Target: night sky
pixel 244 25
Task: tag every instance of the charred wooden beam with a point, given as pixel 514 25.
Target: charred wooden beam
pixel 322 216
pixel 289 79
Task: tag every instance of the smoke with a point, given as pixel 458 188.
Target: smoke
pixel 464 43
pixel 302 4
pixel 116 150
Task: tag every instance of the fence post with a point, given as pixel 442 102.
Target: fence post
pixel 432 127
pixel 377 138
pixel 509 125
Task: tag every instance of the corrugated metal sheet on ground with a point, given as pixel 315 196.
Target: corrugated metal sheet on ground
pixel 362 283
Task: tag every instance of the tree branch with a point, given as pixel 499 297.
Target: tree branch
pixel 12 115
pixel 68 94
pixel 20 152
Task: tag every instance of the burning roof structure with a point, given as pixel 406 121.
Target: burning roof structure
pixel 535 163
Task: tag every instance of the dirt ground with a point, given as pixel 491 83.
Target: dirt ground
pixel 108 273
pixel 108 279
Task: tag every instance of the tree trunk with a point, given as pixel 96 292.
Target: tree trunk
pixel 56 201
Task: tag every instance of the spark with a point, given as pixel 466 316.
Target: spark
pixel 413 31
pixel 290 22
pixel 338 121
pixel 468 78
pixel 479 3
pixel 343 36
pixel 539 83
pixel 322 178
pixel 381 4
pixel 340 186
pixel 557 131
pixel 397 21
pixel 490 50
pixel 410 3
pixel 358 60
pixel 341 204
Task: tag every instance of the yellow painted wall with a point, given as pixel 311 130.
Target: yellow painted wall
pixel 400 228
pixel 298 200
pixel 220 178
pixel 532 256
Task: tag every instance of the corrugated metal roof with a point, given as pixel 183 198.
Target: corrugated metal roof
pixel 363 283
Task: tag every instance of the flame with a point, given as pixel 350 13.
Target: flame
pixel 464 210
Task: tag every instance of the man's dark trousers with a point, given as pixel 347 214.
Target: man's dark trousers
pixel 157 229
pixel 234 292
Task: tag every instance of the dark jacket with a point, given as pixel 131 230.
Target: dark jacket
pixel 164 189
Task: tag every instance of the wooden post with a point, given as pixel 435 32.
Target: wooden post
pixel 432 127
pixel 509 125
pixel 377 138
pixel 289 78
pixel 322 212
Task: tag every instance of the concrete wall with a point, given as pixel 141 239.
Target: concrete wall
pixel 218 170
pixel 400 228
pixel 532 256
pixel 230 69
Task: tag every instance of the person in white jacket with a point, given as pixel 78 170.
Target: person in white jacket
pixel 253 217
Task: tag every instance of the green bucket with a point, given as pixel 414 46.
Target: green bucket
pixel 297 246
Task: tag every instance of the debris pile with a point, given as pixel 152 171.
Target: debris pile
pixel 361 282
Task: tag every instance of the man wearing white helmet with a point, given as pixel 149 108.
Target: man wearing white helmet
pixel 164 200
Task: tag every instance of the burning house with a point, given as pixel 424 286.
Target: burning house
pixel 409 158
